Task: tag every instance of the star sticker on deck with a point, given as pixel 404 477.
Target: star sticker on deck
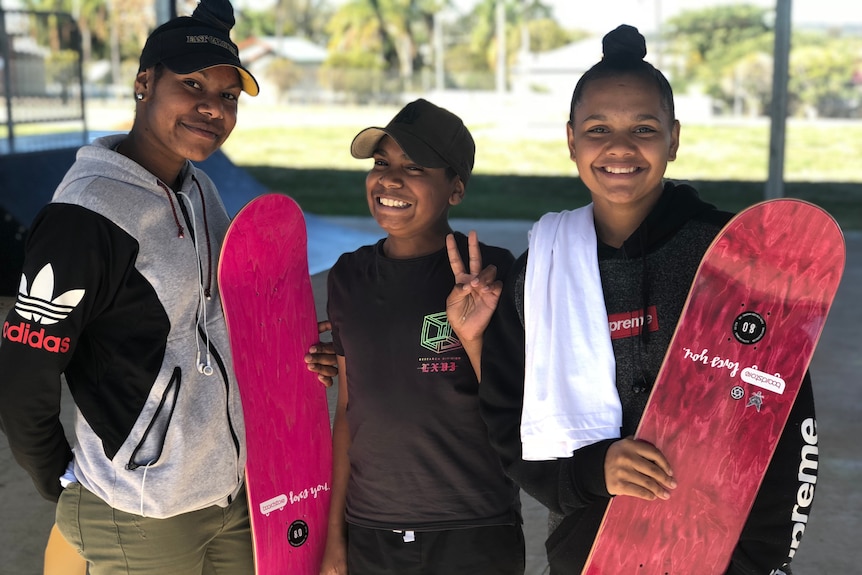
pixel 756 400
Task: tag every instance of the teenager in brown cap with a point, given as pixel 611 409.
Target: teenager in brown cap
pixel 416 485
pixel 118 294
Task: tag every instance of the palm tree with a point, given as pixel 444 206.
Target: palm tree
pixel 399 28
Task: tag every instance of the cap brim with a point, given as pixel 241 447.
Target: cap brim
pixel 191 64
pixel 249 84
pixel 367 141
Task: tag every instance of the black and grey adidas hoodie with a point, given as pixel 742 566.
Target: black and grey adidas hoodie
pixel 648 278
pixel 119 294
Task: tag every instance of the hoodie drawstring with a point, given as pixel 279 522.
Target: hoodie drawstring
pixel 645 335
pixel 143 484
pixel 641 384
pixel 180 231
pixel 208 286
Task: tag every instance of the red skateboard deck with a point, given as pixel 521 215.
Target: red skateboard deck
pixel 732 371
pixel 272 322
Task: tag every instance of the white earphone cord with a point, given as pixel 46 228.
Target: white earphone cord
pixel 203 367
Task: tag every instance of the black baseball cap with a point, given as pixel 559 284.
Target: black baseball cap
pixel 192 43
pixel 430 135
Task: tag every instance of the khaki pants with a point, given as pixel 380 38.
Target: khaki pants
pixel 211 541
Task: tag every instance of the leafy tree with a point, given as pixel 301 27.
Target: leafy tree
pixel 258 23
pixel 354 59
pixel 399 34
pixel 353 34
pixel 547 34
pixel 115 29
pixel 747 84
pixel 305 18
pixel 822 77
pixel 728 50
pixel 91 20
pixel 393 29
pixel 284 74
pixel 710 41
pixel 534 16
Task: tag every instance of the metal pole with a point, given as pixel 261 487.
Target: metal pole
pixel 659 36
pixel 501 46
pixel 439 71
pixel 6 53
pixel 778 123
pixel 164 11
pixel 79 48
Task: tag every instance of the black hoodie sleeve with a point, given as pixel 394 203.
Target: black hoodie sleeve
pixel 66 256
pixel 782 507
pixel 561 485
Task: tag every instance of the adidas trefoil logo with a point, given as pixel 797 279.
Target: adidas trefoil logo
pixel 38 303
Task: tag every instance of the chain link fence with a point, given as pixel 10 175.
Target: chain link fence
pixel 41 81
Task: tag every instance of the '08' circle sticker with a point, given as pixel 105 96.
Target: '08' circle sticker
pixel 297 533
pixel 749 327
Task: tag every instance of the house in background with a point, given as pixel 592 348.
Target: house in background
pixel 553 74
pixel 287 67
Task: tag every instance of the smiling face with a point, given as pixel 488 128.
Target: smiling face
pixel 410 202
pixel 621 139
pixel 183 116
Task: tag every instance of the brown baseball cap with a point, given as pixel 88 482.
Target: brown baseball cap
pixel 430 135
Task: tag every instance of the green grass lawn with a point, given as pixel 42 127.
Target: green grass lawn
pixel 522 179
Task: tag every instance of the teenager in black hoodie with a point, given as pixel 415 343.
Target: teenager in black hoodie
pixel 651 235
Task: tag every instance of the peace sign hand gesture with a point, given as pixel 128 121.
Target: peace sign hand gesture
pixel 473 299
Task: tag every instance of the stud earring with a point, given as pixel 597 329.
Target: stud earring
pixel 139 96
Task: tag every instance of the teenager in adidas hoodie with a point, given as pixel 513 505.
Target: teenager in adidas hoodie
pixel 119 295
pixel 650 236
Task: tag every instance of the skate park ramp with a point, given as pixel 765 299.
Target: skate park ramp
pixel 28 180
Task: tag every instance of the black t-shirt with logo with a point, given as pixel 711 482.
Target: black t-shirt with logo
pixel 419 456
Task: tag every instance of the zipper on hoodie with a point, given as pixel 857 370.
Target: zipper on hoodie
pixel 223 370
pixel 159 425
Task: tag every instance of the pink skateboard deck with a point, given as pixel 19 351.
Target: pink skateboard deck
pixel 732 371
pixel 272 322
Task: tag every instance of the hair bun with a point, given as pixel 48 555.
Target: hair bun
pixel 216 13
pixel 624 43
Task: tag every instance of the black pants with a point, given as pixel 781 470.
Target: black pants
pixel 493 550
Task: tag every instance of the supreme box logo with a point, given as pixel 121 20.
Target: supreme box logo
pixel 629 323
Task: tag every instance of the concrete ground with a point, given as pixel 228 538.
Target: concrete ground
pixel 830 546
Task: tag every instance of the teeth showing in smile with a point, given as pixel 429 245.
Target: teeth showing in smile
pixel 613 170
pixel 390 203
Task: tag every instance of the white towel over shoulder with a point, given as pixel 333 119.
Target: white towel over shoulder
pixel 570 395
